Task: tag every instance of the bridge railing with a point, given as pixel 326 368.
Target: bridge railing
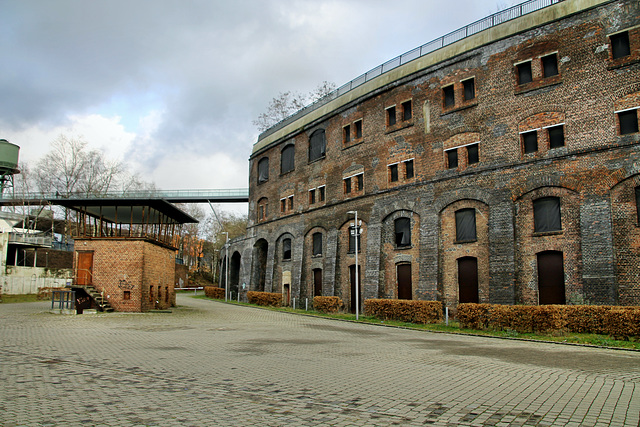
pixel 143 194
pixel 454 36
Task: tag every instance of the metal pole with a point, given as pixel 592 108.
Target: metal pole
pixel 356 232
pixel 226 269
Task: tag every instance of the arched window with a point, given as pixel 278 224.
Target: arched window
pixel 263 170
pixel 403 232
pixel 287 159
pixel 546 214
pixel 286 249
pixel 317 145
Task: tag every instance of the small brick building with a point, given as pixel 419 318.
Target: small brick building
pixel 502 166
pixel 123 255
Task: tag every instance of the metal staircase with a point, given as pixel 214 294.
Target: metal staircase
pixel 97 296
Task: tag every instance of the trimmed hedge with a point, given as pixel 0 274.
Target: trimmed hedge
pixel 214 292
pixel 327 304
pixel 270 299
pixel 616 321
pixel 404 310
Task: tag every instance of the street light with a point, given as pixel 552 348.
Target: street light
pixel 356 232
pixel 226 268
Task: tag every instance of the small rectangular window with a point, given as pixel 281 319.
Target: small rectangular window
pixel 469 89
pixel 358 126
pixel 391 116
pixel 347 185
pixel 620 46
pixel 286 249
pixel 321 191
pixel 360 182
pixel 530 142
pixel 402 228
pixel 290 202
pixel 472 154
pixel 524 72
pixel 448 96
pixel 408 169
pixel 628 121
pixel 283 205
pixel 406 110
pixel 393 173
pixel 346 133
pixel 312 196
pixel 452 158
pixel 126 295
pixel 556 136
pixel 550 65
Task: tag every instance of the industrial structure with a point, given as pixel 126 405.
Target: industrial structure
pixel 497 164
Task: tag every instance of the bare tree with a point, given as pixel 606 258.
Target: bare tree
pixel 288 103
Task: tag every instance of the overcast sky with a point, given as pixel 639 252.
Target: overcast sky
pixel 171 87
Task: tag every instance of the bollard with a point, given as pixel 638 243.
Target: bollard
pixel 446 316
pixel 294 303
pixel 306 304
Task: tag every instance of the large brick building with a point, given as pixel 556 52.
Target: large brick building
pixel 503 167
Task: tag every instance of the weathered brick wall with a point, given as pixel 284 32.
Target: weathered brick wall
pixel 125 270
pixel 593 172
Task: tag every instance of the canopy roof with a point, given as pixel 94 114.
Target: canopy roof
pixel 129 211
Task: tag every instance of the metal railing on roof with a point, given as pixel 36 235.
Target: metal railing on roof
pixel 454 36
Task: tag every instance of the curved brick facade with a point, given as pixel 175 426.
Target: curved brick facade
pixel 515 160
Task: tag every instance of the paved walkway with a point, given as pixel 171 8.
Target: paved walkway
pixel 209 363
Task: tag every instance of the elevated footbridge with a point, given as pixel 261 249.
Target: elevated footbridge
pixel 237 195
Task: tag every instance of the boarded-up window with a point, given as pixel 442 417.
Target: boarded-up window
pixel 556 136
pixel 473 155
pixel 393 172
pixel 530 142
pixel 263 170
pixel 403 232
pixel 524 72
pixel 466 225
pixel 408 169
pixel 317 145
pixel 469 87
pixel 448 96
pixel 286 249
pixel 317 243
pixel 550 65
pixel 628 121
pixel 287 162
pixel 546 215
pixel 620 45
pixel 452 158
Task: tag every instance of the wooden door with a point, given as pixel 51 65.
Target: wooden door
pixel 551 278
pixel 84 270
pixel 404 281
pixel 468 280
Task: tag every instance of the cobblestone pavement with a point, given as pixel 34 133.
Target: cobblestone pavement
pixel 209 363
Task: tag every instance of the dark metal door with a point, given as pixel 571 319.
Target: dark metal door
pixel 468 280
pixel 317 282
pixel 551 278
pixel 404 281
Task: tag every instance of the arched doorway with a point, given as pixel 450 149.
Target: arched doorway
pixel 551 278
pixel 403 272
pixel 468 279
pixel 234 274
pixel 260 250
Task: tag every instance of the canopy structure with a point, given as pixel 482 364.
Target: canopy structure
pixel 153 219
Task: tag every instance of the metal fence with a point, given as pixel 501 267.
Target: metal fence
pixel 454 36
pixel 144 194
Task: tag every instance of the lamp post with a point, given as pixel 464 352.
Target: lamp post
pixel 356 232
pixel 226 268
